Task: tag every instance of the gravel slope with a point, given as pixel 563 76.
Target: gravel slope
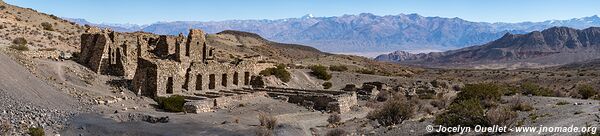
pixel 30 102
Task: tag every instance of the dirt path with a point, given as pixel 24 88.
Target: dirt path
pixel 21 84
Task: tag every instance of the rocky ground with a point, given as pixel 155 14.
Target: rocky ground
pixel 28 101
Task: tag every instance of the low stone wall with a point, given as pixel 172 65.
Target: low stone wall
pixel 208 105
pixel 344 103
pixel 199 106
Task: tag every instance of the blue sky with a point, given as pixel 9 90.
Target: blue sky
pixel 150 11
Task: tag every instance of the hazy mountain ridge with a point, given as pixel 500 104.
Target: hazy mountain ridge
pixel 553 46
pixel 367 32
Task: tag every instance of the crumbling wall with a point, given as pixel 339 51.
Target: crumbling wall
pixel 110 53
pixel 145 79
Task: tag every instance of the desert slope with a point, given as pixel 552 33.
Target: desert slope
pixel 553 46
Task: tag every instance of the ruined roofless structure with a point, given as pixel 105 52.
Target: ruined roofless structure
pixel 162 65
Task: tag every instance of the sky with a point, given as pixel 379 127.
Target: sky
pixel 151 11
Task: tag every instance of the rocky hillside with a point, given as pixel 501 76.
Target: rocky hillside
pixel 366 32
pixel 236 44
pixel 41 31
pixel 553 46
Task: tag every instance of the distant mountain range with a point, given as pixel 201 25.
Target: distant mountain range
pixel 550 47
pixel 364 32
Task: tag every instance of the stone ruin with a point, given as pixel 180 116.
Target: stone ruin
pixel 164 65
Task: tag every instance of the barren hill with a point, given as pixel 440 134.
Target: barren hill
pixel 40 30
pixel 553 46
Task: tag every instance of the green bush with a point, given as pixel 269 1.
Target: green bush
pixel 586 91
pixel 36 131
pixel 278 72
pixel 394 111
pixel 482 92
pixel 338 68
pixel 467 113
pixel 529 88
pixel 47 26
pixel 327 85
pixel 320 72
pixel 171 104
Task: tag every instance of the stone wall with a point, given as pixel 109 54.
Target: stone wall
pixel 111 53
pixel 222 102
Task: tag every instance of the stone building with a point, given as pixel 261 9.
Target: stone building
pixel 162 65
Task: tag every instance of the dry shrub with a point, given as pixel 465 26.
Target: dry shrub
pixel 267 121
pixel 467 113
pixel 280 72
pixel 501 116
pixel 394 111
pixel 336 132
pixel 440 101
pixel 327 85
pixel 47 26
pixel 5 127
pixel 261 131
pixel 586 91
pixel 518 105
pixel 36 131
pixel 334 118
pixel 320 72
pixel 338 68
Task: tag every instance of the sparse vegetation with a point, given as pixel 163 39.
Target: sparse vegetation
pixel 501 116
pixel 36 131
pixel 338 68
pixel 393 112
pixel 267 124
pixel 47 26
pixel 586 91
pixel 366 71
pixel 280 72
pixel 336 132
pixel 487 93
pixel 19 47
pixel 516 104
pixel 468 113
pixel 19 44
pixel 320 72
pixel 171 104
pixel 5 127
pixel 529 88
pixel 327 85
pixel 562 103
